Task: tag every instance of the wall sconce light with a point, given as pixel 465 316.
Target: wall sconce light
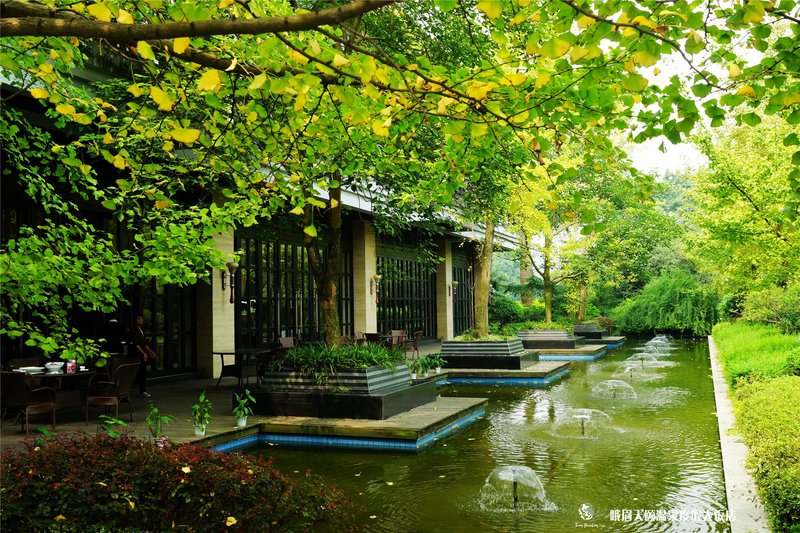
pixel 454 285
pixel 232 266
pixel 375 283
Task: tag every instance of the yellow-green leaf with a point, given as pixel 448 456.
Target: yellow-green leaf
pixel 480 89
pixel 340 61
pixel 180 45
pixel 120 162
pixel 747 91
pixel 786 98
pixel 209 81
pixel 123 17
pixel 667 12
pixel 230 521
pixel 491 8
pixel 753 12
pixel 554 48
pixel 543 79
pixel 161 98
pixel 380 127
pixel 643 21
pixel 100 12
pixel 39 94
pixel 634 82
pixel 643 58
pixel 145 50
pixel 514 79
pixel 258 82
pixel 185 135
pixel 297 210
pixel 311 231
pixel 478 130
pixel 135 90
pixel 734 70
pixel 65 109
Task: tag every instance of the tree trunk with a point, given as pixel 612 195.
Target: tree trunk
pixel 525 274
pixel 326 267
pixel 483 269
pixel 547 280
pixel 582 306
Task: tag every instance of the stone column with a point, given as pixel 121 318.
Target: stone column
pixel 444 295
pixel 215 316
pixel 365 310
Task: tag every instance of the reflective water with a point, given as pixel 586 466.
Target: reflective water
pixel 653 465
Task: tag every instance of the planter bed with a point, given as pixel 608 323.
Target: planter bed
pixel 320 403
pixel 589 331
pixel 506 355
pixel 557 338
pixel 355 380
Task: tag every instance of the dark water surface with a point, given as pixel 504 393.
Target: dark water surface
pixel 653 464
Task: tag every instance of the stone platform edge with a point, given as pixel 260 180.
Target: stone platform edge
pixel 393 433
pixel 744 504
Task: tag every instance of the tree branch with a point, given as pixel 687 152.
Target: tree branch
pixel 19 18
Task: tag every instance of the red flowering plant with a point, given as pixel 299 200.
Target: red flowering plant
pixel 97 482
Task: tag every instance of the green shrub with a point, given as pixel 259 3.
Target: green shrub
pixel 320 359
pixel 533 312
pixel 776 306
pixel 674 301
pixel 768 418
pixel 85 482
pixel 751 351
pixel 504 309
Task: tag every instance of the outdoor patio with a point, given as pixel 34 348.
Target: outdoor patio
pixel 173 398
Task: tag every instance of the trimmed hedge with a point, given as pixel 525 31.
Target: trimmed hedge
pixel 85 482
pixel 768 418
pixel 751 351
pixel 764 367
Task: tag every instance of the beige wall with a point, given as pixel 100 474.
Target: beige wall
pixel 365 318
pixel 215 316
pixel 444 302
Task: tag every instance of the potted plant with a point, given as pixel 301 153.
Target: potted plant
pixel 425 366
pixel 201 414
pixel 242 408
pixel 156 422
pixel 415 367
pixel 436 362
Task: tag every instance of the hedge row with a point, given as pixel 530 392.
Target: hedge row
pixel 751 351
pixel 768 417
pixel 764 367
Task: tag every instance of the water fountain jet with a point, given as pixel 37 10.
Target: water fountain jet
pixel 614 389
pixel 516 485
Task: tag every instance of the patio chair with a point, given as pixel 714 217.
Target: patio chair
pixel 20 393
pixel 412 344
pixel 396 338
pixel 244 366
pixel 112 393
pixel 287 342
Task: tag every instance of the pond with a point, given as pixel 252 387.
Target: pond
pixel 627 443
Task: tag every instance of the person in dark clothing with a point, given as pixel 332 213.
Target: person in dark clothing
pixel 143 351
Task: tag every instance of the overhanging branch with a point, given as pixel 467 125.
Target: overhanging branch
pixel 18 18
